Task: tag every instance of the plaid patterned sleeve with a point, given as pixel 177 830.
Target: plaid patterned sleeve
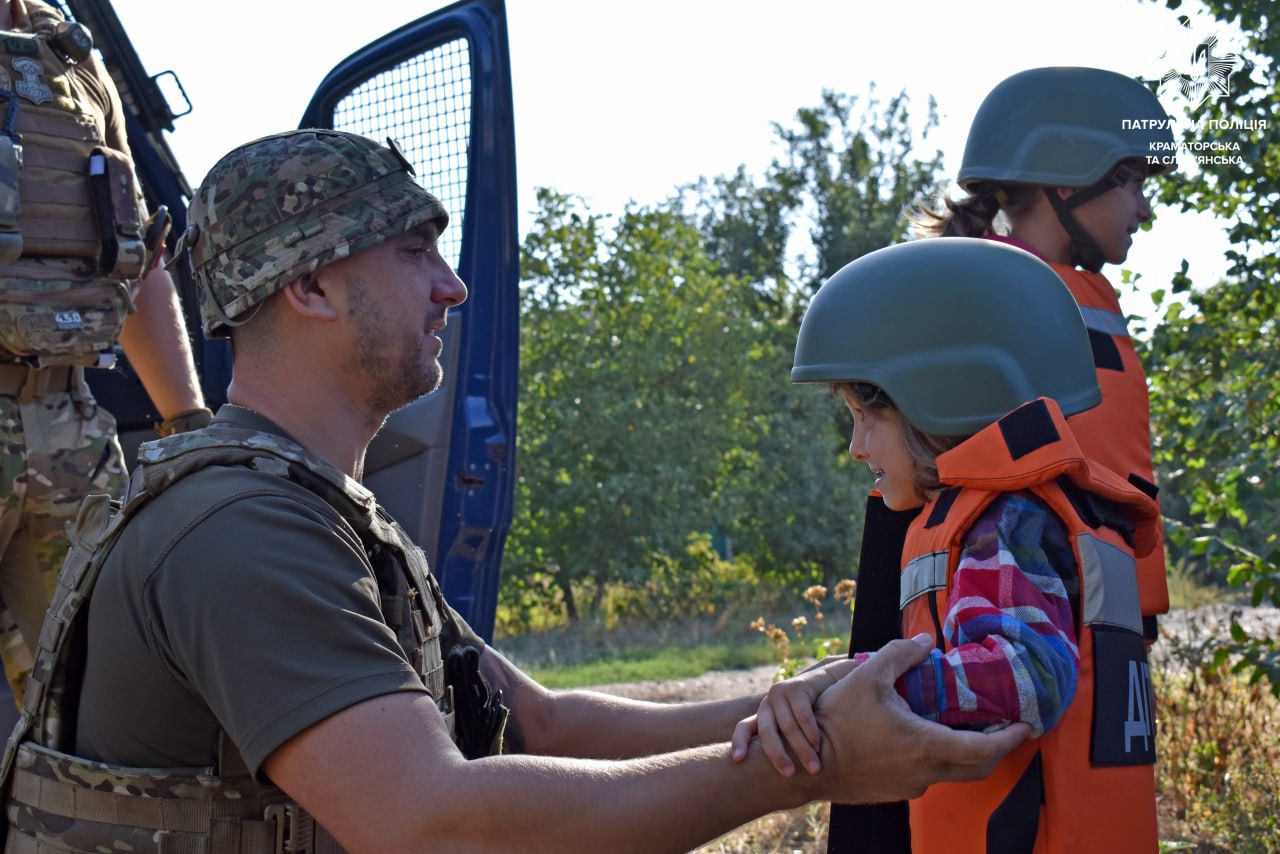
pixel 1013 653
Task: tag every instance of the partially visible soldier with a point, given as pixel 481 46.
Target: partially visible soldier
pixel 77 256
pixel 252 656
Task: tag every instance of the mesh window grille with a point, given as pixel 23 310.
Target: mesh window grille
pixel 424 103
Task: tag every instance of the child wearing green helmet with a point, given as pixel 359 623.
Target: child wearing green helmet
pixel 1061 156
pixel 961 362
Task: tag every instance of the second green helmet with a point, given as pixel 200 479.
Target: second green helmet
pixel 1064 127
pixel 958 332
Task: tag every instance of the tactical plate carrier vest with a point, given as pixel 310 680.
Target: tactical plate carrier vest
pixel 72 225
pixel 59 802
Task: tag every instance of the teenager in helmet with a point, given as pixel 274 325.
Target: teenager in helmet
pixel 961 362
pixel 1061 155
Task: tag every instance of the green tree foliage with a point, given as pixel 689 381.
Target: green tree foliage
pixel 637 364
pixel 1213 360
pixel 656 408
pixel 745 228
pixel 847 174
pixel 859 174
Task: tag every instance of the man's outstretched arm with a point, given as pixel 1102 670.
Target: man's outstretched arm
pixel 383 775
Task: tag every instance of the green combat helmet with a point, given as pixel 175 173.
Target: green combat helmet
pixel 958 332
pixel 285 205
pixel 1065 127
pixel 1086 128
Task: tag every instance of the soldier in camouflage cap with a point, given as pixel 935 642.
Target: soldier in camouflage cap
pixel 284 205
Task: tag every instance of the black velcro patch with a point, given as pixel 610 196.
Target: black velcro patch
pixel 1124 729
pixel 1151 490
pixel 1027 428
pixel 1096 511
pixel 942 506
pixel 1106 355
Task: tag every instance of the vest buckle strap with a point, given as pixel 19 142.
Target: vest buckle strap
pixel 295 829
pixel 29 383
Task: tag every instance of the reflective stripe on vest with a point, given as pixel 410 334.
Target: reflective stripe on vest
pixel 1110 584
pixel 1102 320
pixel 923 575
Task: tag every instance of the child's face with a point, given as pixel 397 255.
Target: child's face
pixel 879 442
pixel 1114 217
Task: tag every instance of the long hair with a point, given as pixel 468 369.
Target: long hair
pixel 974 215
pixel 923 448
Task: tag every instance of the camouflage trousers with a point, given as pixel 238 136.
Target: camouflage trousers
pixel 57 449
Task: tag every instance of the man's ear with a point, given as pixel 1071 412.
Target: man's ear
pixel 308 296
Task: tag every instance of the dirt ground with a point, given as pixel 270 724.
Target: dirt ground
pixel 1182 631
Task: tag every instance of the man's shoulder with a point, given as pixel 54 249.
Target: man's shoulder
pixel 219 525
pixel 233 477
pixel 232 495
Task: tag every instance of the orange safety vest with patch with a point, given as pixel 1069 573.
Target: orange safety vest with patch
pixel 1117 433
pixel 73 229
pixel 1089 783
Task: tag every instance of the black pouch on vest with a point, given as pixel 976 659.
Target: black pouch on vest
pixel 479 716
pixel 115 207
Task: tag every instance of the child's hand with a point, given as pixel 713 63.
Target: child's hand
pixel 785 719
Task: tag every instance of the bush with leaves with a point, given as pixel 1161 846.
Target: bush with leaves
pixel 1212 360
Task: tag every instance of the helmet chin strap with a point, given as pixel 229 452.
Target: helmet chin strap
pixel 1085 251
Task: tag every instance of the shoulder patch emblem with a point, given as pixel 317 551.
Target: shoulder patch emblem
pixel 31 86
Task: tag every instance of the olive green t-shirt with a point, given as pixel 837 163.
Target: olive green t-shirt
pixel 233 601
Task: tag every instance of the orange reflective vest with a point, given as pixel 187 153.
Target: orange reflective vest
pixel 1117 433
pixel 1089 783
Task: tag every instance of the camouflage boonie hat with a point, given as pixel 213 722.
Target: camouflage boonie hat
pixel 287 204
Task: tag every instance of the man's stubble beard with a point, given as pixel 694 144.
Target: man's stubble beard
pixel 396 372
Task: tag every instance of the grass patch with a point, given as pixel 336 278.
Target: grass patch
pixel 1189 589
pixel 591 654
pixel 1218 755
pixel 645 663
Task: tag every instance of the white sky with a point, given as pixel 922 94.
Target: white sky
pixel 623 101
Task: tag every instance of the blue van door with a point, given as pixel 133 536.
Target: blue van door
pixel 441 87
pixel 444 466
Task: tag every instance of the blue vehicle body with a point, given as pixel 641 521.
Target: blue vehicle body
pixel 444 466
